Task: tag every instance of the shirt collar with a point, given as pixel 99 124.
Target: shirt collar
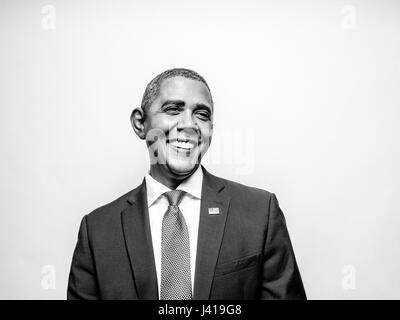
pixel 191 185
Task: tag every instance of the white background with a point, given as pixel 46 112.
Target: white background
pixel 306 106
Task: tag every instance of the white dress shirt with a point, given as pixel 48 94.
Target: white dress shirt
pixel 190 208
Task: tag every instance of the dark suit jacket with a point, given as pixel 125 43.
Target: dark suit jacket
pixel 242 253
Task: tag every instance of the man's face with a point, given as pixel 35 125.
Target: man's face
pixel 181 120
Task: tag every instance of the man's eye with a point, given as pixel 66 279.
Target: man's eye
pixel 172 109
pixel 204 115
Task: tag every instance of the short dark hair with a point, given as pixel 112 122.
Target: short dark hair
pixel 153 88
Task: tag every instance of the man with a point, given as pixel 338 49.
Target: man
pixel 184 233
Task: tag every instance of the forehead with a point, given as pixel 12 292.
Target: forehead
pixel 182 88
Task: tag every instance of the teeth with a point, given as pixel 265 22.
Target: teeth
pixel 182 145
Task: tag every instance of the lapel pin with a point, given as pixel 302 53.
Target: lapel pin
pixel 213 210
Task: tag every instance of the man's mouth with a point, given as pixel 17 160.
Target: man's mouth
pixel 183 144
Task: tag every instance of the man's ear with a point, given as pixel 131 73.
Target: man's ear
pixel 137 121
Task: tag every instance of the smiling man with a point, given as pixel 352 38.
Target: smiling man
pixel 183 233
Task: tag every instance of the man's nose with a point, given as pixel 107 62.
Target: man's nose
pixel 186 122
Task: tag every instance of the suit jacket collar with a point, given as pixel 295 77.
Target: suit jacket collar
pixel 137 233
pixel 211 230
pixel 136 229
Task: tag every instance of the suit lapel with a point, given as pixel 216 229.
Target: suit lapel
pixel 137 233
pixel 211 230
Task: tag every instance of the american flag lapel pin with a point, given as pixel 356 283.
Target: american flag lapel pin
pixel 213 210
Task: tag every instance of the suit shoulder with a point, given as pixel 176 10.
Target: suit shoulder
pixel 112 208
pixel 250 203
pixel 242 187
pixel 236 188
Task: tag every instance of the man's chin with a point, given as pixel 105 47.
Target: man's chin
pixel 182 169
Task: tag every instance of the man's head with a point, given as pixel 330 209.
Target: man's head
pixel 176 119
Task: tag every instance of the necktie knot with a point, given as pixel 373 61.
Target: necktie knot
pixel 174 197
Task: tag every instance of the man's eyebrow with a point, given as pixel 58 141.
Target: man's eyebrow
pixel 175 102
